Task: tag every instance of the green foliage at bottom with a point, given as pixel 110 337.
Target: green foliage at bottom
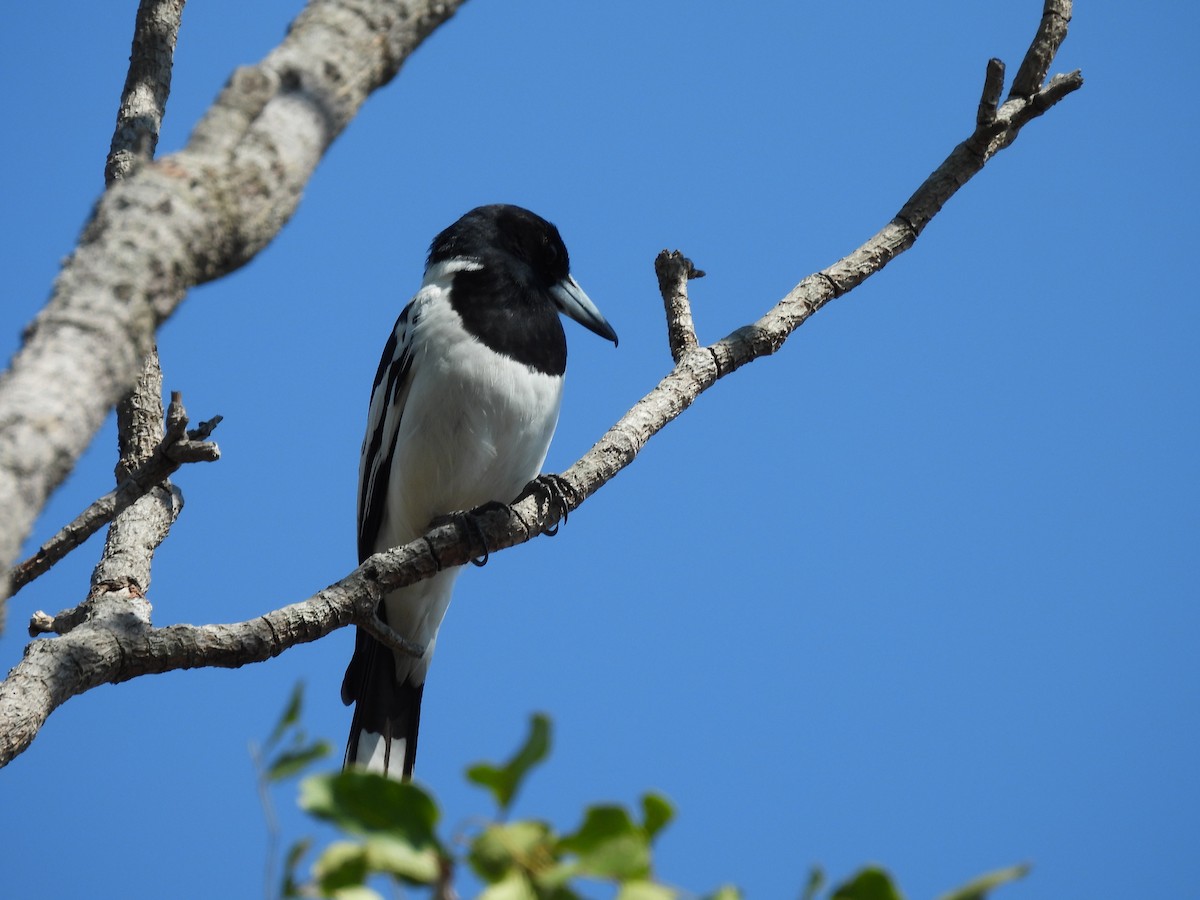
pixel 391 831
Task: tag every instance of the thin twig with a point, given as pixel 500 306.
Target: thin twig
pixel 674 270
pixel 147 86
pixel 173 452
pixel 989 100
pixel 1056 18
pixel 390 638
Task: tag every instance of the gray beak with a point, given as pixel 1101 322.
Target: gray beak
pixel 572 301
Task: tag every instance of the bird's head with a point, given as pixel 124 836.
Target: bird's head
pixel 531 246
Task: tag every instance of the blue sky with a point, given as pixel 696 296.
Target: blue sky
pixel 921 589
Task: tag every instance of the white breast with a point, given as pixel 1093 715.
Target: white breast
pixel 475 428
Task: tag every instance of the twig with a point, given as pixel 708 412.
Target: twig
pixel 989 100
pixel 147 86
pixel 1056 18
pixel 168 456
pixel 136 532
pixel 390 638
pixel 674 270
pixel 443 888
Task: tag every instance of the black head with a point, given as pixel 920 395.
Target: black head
pixel 502 229
pixel 511 298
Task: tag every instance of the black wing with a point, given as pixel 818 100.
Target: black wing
pixel 388 395
pixel 382 706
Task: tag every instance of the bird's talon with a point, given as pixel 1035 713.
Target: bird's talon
pixel 556 489
pixel 471 525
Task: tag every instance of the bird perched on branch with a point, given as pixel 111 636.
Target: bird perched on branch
pixel 464 404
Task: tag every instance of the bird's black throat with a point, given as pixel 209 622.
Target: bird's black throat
pixel 524 325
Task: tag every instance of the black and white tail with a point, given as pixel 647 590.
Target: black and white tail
pixel 387 712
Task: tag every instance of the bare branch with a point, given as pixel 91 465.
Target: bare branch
pixel 147 85
pixel 673 270
pixel 54 670
pixel 1056 18
pixel 202 431
pixel 173 452
pixel 989 100
pixel 184 220
pixel 135 533
pixel 390 638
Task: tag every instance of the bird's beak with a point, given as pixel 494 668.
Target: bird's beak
pixel 573 302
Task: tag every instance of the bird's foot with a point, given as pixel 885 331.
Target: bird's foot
pixel 467 521
pixel 556 490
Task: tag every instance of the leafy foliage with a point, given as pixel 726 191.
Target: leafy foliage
pixel 979 888
pixel 286 753
pixel 504 780
pixel 287 747
pixel 391 828
pixel 872 883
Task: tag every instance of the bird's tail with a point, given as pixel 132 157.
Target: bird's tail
pixel 387 712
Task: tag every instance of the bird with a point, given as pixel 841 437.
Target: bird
pixel 464 404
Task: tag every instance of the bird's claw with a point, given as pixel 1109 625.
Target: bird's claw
pixel 557 489
pixel 470 525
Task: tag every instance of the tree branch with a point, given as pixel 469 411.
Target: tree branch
pixel 147 86
pixel 122 576
pixel 147 458
pixel 1056 18
pixel 674 270
pixel 184 220
pixel 176 449
pixel 54 670
pixel 135 533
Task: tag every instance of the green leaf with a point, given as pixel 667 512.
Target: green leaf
pixel 872 883
pixel 979 888
pixel 725 892
pixel 504 781
pixel 291 887
pixel 609 845
pixel 291 715
pixel 369 804
pixel 553 883
pixel 497 849
pixel 816 881
pixel 294 761
pixel 514 886
pixel 345 864
pixel 401 860
pixel 646 890
pixel 342 864
pixel 356 892
pixel 656 813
